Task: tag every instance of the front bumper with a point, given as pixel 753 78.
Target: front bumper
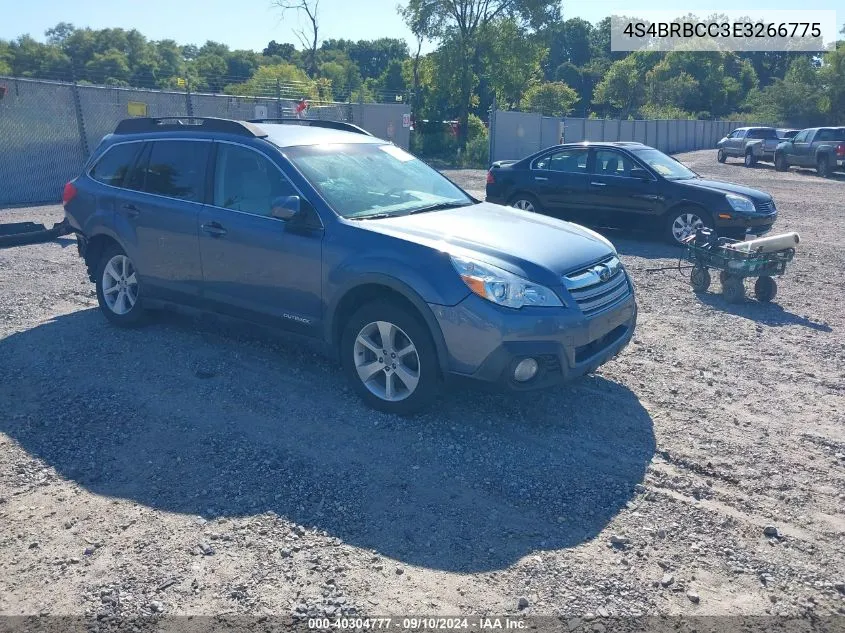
pixel 485 341
pixel 751 223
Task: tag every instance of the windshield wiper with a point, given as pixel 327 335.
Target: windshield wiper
pixel 375 216
pixel 440 206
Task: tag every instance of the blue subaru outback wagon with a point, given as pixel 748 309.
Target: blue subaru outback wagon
pixel 321 228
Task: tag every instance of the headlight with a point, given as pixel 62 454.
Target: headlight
pixel 502 287
pixel 740 203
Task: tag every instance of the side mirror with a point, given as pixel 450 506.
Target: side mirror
pixel 286 208
pixel 640 173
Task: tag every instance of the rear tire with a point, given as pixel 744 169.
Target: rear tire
pixel 119 292
pixel 721 156
pixel 389 358
pixel 526 202
pixel 823 167
pixel 780 163
pixel 750 159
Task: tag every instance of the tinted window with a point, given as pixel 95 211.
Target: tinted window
pixel 245 180
pixel 573 161
pixel 135 179
pixel 738 133
pixel 831 135
pixel 177 169
pixel 611 163
pixel 112 168
pixel 764 133
pixel 801 137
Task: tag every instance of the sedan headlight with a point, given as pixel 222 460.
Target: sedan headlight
pixel 740 203
pixel 502 287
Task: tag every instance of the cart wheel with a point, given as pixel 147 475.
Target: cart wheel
pixel 765 289
pixel 699 279
pixel 723 276
pixel 733 289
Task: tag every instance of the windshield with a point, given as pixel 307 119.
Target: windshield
pixel 667 167
pixel 362 180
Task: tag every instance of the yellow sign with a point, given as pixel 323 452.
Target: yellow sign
pixel 181 82
pixel 136 108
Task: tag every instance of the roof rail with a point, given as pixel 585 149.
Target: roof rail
pixel 188 124
pixel 333 125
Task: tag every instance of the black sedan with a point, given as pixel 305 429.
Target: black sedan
pixel 628 185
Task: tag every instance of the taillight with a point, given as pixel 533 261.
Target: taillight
pixel 840 149
pixel 490 179
pixel 69 193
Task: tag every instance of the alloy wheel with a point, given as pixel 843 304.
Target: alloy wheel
pixel 387 361
pixel 120 285
pixel 685 225
pixel 524 205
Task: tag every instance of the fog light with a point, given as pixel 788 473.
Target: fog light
pixel 525 370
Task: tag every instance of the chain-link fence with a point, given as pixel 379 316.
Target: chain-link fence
pixel 515 135
pixel 48 129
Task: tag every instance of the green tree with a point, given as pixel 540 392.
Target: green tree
pixel 832 79
pixel 622 89
pixel 462 21
pixel 550 99
pixel 510 59
pixel 292 81
pixel 110 68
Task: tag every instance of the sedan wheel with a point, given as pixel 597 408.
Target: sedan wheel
pixel 684 224
pixel 524 205
pixel 387 361
pixel 720 156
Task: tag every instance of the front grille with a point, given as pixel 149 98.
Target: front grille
pixel 594 294
pixel 765 207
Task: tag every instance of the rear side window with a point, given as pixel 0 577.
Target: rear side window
pixel 112 168
pixel 573 161
pixel 176 169
pixel 801 137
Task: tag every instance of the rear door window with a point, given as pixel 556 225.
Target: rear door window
pixel 177 169
pixel 115 164
pixel 570 161
pixel 801 137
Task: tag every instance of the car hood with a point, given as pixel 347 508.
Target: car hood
pixel 725 187
pixel 518 241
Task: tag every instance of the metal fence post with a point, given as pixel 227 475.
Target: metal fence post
pixel 278 99
pixel 80 121
pixel 189 105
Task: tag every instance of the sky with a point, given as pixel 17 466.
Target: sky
pixel 251 24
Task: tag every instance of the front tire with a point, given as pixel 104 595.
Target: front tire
pixel 733 289
pixel 389 358
pixel 780 162
pixel 721 156
pixel 765 289
pixel 699 279
pixel 118 290
pixel 682 223
pixel 526 202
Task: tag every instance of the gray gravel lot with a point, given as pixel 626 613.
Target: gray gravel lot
pixel 194 467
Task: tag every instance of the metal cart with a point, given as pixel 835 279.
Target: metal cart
pixel 707 251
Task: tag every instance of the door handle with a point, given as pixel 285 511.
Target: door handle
pixel 131 210
pixel 214 229
pixel 540 178
pixel 598 184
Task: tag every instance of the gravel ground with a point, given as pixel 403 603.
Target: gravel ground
pixel 194 467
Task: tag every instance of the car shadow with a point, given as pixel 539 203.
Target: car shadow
pixel 184 419
pixel 770 314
